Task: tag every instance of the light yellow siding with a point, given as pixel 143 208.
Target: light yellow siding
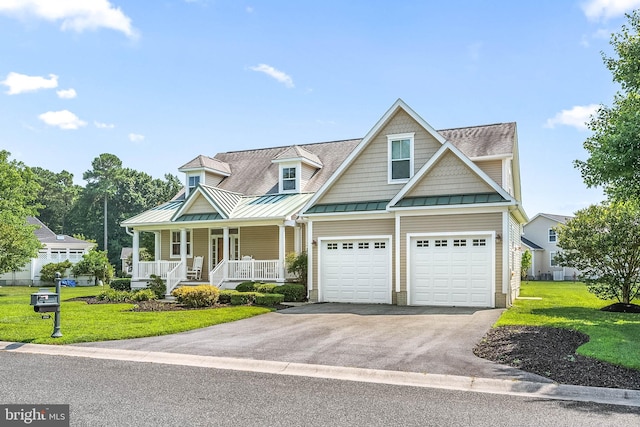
pixel 449 176
pixel 200 247
pixel 451 224
pixel 200 205
pixel 493 168
pixel 259 242
pixel 367 177
pixel 515 257
pixel 212 180
pixel 305 175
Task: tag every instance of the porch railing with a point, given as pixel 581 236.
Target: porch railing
pixel 216 276
pixel 159 268
pixel 174 277
pixel 254 269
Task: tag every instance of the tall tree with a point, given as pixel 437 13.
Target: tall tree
pixel 102 182
pixel 614 147
pixel 18 195
pixel 58 194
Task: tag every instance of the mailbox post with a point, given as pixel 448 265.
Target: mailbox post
pixel 45 301
pixel 56 319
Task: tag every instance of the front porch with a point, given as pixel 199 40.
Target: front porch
pixel 225 254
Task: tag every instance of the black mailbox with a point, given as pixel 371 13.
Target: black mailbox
pixel 45 301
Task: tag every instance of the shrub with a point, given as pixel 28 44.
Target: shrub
pixel 121 284
pixel 197 296
pixel 157 286
pixel 48 271
pixel 292 292
pixel 225 296
pixel 113 295
pixel 143 295
pixel 245 287
pixel 297 265
pixel 269 299
pixel 243 298
pixel 265 288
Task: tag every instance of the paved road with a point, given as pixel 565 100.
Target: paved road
pixel 411 339
pixel 116 393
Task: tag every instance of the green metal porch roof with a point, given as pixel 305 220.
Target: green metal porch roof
pixel 450 199
pixel 199 217
pixel 376 205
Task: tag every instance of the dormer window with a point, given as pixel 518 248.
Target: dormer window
pixel 194 180
pixel 400 157
pixel 288 179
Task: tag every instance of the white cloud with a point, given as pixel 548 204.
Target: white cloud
pixel 249 9
pixel 64 119
pixel 67 93
pixel 605 9
pixel 100 125
pixel 20 83
pixel 280 76
pixel 577 117
pixel 136 137
pixel 76 15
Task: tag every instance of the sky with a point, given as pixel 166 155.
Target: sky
pixel 159 83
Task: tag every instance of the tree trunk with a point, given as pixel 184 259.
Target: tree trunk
pixel 105 225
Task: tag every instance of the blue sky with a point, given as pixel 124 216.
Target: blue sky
pixel 157 83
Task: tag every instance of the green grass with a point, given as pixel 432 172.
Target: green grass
pixel 82 322
pixel 614 337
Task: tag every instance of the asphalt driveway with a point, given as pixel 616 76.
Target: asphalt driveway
pixel 413 339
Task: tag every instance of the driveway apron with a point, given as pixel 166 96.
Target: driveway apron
pixel 413 339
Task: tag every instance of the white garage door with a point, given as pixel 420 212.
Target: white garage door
pixel 451 271
pixel 355 270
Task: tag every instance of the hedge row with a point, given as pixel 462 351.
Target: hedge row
pixel 233 297
pixel 291 292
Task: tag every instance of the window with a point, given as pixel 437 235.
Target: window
pixel 175 243
pixel 441 243
pixel 288 179
pixel 459 242
pixel 552 235
pixel 363 245
pixel 332 246
pixel 400 157
pixel 194 180
pixel 347 246
pixel 379 245
pixel 552 259
pixel 479 242
pixel 422 243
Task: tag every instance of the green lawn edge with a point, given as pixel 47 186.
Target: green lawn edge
pixel 613 337
pixel 81 322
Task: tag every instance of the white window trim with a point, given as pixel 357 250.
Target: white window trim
pixel 189 241
pixel 189 175
pixel 395 137
pixel 298 168
pixel 555 236
pixel 552 255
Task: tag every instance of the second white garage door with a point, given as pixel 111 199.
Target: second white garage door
pixel 451 271
pixel 355 271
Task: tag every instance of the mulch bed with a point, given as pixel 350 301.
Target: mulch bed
pixel 161 305
pixel 551 353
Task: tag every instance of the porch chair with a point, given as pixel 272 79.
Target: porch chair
pixel 195 272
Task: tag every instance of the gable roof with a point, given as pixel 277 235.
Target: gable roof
pixel 296 152
pixel 530 244
pixel 562 219
pixel 221 201
pixel 483 141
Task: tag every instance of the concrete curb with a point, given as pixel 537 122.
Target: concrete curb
pixel 413 379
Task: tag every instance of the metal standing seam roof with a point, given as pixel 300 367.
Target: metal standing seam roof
pixel 375 205
pixel 159 214
pixel 450 199
pixel 226 200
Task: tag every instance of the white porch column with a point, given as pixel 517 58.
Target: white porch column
pixel 225 251
pixel 135 255
pixel 183 251
pixel 157 247
pixel 297 239
pixel 281 247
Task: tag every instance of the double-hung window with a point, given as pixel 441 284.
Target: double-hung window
pixel 289 179
pixel 175 243
pixel 400 157
pixel 194 180
pixel 552 235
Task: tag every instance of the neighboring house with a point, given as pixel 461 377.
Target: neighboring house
pixel 125 255
pixel 406 215
pixel 540 238
pixel 55 248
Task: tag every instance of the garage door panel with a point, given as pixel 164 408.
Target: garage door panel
pixel 451 271
pixel 356 270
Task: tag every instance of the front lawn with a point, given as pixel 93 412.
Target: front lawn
pixel 613 337
pixel 82 322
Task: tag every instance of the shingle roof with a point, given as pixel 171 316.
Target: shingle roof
pixel 297 152
pixel 481 141
pixel 557 218
pixel 255 174
pixel 529 243
pixel 45 235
